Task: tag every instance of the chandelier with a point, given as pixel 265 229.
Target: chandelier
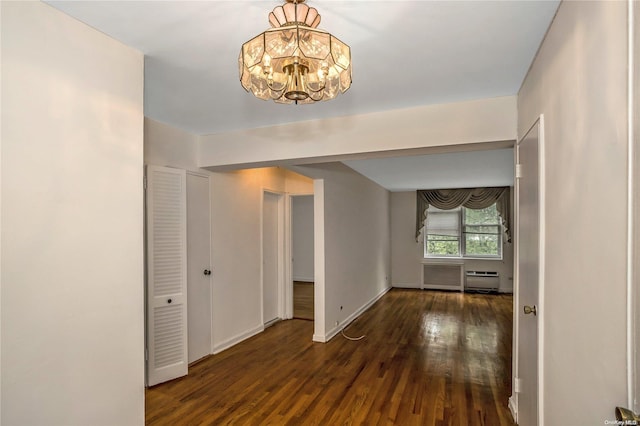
pixel 294 62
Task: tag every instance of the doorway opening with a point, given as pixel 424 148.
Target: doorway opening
pixel 302 256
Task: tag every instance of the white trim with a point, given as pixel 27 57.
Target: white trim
pixel 442 261
pixel 319 326
pixel 459 258
pixel 631 367
pixel 190 170
pixel 281 218
pixel 287 309
pixel 237 339
pixel 513 407
pixel 282 238
pixel 516 284
pixel 319 339
pixel 332 333
pixel 261 249
pixel 200 174
pixel 212 276
pixel 541 266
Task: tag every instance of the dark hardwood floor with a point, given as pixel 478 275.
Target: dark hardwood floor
pixel 303 300
pixel 428 358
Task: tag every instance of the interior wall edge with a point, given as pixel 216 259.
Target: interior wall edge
pixel 633 278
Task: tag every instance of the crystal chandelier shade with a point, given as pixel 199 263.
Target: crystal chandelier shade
pixel 294 62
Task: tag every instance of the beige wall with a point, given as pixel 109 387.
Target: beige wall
pixel 335 139
pixel 407 254
pixel 167 146
pixel 236 199
pixel 355 259
pixel 72 265
pixel 578 81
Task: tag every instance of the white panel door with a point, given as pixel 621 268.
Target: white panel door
pixel 270 256
pixel 528 264
pixel 166 274
pixel 198 267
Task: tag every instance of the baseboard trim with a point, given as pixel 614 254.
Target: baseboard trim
pixel 304 279
pixel 237 339
pixel 407 285
pixel 513 407
pixel 337 329
pixel 318 338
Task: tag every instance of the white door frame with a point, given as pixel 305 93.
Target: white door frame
pixel 282 249
pixel 513 400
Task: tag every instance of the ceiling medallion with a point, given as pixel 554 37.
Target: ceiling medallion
pixel 294 62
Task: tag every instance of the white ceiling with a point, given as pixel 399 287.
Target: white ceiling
pixel 440 171
pixel 405 53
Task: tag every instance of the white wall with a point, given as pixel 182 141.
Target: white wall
pixel 407 254
pixel 335 139
pixel 357 236
pixel 579 82
pixel 72 265
pixel 236 216
pixel 167 146
pixel 302 237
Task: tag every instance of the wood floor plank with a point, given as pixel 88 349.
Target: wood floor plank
pixel 428 358
pixel 303 300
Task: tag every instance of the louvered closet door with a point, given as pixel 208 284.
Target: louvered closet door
pixel 166 274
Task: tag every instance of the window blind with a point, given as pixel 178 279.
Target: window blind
pixel 443 222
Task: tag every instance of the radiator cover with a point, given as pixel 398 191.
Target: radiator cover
pixel 443 276
pixel 482 280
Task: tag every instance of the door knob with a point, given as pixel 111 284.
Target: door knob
pixel 530 310
pixel 207 272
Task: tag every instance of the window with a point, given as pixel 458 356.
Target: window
pixel 463 232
